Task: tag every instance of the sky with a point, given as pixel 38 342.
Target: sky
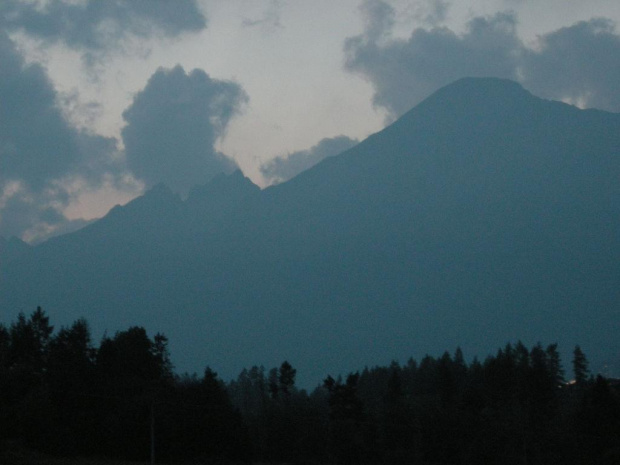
pixel 101 100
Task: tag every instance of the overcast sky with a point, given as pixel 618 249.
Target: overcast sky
pixel 100 100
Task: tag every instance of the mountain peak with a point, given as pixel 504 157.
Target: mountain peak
pixel 483 89
pixel 495 84
pixel 472 93
pixel 160 191
pixel 224 186
pixel 153 203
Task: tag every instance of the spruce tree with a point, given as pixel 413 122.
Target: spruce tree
pixel 580 366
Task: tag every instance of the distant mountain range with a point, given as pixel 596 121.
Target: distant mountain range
pixel 482 216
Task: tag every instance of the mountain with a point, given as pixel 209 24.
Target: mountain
pixel 482 216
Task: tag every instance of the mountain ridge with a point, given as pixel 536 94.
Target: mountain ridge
pixel 483 215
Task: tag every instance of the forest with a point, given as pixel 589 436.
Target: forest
pixel 62 396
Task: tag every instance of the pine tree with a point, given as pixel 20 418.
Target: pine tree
pixel 287 378
pixel 580 366
pixel 554 365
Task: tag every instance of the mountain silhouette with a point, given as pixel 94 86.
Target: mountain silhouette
pixel 482 216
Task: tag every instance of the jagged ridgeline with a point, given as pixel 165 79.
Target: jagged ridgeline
pixel 483 215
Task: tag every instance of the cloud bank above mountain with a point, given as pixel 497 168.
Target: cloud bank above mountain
pixel 173 124
pixel 578 63
pixel 41 153
pixel 47 162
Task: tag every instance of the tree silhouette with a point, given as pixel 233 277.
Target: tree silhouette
pixel 286 378
pixel 580 366
pixel 61 395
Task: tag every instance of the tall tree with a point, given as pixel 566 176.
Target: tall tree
pixel 346 435
pixel 131 372
pixel 70 381
pixel 160 351
pixel 286 378
pixel 580 366
pixel 29 341
pixel 554 364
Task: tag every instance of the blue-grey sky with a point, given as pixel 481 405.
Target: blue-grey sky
pixel 100 100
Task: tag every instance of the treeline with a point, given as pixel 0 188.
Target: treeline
pixel 62 396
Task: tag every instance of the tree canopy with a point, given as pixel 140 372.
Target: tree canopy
pixel 63 396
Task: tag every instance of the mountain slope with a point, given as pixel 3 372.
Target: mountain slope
pixel 483 215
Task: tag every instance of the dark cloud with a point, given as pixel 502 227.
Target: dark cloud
pixel 284 168
pixel 23 211
pixel 579 63
pixel 379 19
pixel 36 142
pixel 36 216
pixel 403 72
pixel 97 25
pixel 40 152
pixel 173 125
pixel 45 161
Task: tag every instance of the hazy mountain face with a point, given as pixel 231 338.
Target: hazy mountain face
pixel 482 216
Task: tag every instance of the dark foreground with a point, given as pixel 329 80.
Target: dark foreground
pixel 65 401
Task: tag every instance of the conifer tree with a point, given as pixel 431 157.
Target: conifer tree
pixel 580 366
pixel 287 378
pixel 554 365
